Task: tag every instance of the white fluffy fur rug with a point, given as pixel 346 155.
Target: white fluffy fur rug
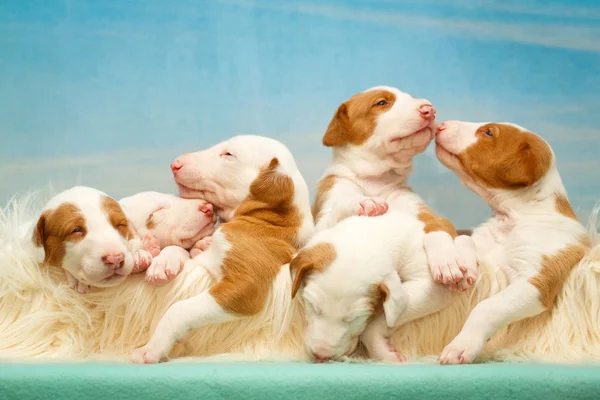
pixel 41 319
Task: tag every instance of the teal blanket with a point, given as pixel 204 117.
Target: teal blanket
pixel 297 381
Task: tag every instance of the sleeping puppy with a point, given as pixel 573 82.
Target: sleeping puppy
pixel 355 271
pixel 177 228
pixel 85 232
pixel 534 236
pixel 374 136
pixel 255 183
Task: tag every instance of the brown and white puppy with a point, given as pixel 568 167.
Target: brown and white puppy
pixel 534 236
pixel 178 228
pixel 374 136
pixel 85 232
pixel 256 182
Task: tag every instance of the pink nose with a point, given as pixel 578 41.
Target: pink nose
pixel 206 209
pixel 427 111
pixel 442 127
pixel 113 260
pixel 176 166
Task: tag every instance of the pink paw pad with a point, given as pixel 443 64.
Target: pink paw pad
pixel 151 245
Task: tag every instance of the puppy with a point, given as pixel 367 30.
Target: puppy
pixel 86 232
pixel 173 226
pixel 375 135
pixel 534 236
pixel 354 271
pixel 254 181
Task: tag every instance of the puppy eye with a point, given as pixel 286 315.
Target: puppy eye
pixel 382 103
pixel 123 224
pixel 76 231
pixel 488 132
pixel 226 154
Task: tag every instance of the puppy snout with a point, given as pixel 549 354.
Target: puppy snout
pixel 176 165
pixel 113 260
pixel 207 209
pixel 427 111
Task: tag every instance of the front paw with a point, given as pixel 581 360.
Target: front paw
pixel 80 287
pixel 371 208
pixel 462 350
pixel 200 246
pixel 141 261
pixel 151 245
pixel 163 270
pixel 146 355
pixel 466 247
pixel 386 352
pixel 447 266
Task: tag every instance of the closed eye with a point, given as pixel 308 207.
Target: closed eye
pixel 76 231
pixel 382 103
pixel 227 154
pixel 488 132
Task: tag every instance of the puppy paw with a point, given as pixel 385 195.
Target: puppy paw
pixel 151 245
pixel 446 266
pixel 466 248
pixel 371 208
pixel 141 261
pixel 386 352
pixel 200 246
pixel 462 350
pixel 145 355
pixel 80 287
pixel 163 270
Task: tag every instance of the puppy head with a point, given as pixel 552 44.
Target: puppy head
pixel 500 157
pixel 170 219
pixel 87 233
pixel 342 294
pixel 224 173
pixel 383 121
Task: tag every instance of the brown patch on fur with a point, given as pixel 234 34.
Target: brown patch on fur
pixel 150 224
pixel 117 217
pixel 556 269
pixel 564 207
pixel 509 159
pixel 355 120
pixel 56 227
pixel 435 223
pixel 263 237
pixel 378 294
pixel 310 259
pixel 323 188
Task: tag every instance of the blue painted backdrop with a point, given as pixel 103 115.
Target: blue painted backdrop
pixel 107 93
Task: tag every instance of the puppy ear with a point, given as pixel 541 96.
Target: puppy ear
pixel 394 298
pixel 272 186
pixel 339 128
pixel 527 166
pixel 309 259
pixel 302 266
pixel 38 236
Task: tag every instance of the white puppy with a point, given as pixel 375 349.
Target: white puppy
pixel 254 181
pixel 534 237
pixel 172 226
pixel 352 272
pixel 86 233
pixel 375 135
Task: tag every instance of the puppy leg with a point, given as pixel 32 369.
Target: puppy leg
pixel 444 259
pixel 376 340
pixel 166 265
pixel 179 319
pixel 423 297
pixel 519 300
pixel 200 246
pixel 466 247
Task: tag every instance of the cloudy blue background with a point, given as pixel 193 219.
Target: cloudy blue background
pixel 107 93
